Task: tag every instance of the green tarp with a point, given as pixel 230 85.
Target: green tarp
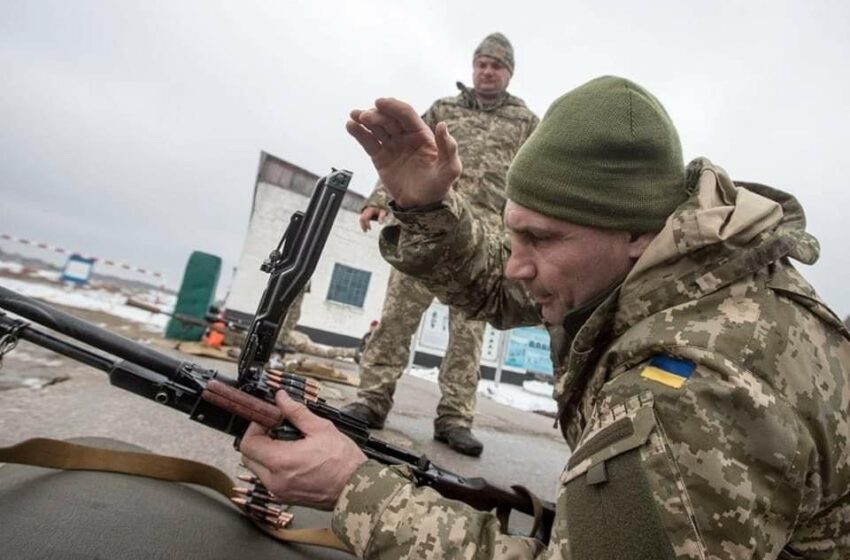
pixel 196 295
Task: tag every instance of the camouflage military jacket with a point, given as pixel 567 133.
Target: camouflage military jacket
pixel 488 138
pixel 706 400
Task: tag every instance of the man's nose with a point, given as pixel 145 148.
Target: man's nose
pixel 519 266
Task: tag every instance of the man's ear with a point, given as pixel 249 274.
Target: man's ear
pixel 638 242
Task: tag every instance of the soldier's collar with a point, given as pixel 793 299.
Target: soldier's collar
pixel 471 100
pixel 576 318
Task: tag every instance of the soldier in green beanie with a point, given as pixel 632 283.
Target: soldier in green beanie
pixel 702 385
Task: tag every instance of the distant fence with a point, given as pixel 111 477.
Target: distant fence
pixel 99 261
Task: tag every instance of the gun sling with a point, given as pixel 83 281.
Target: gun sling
pixel 54 454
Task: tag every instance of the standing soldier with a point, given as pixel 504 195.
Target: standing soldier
pixel 490 125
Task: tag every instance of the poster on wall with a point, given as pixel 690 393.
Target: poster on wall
pixel 490 347
pixel 434 330
pixel 528 349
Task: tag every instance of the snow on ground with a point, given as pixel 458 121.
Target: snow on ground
pixel 538 388
pixel 96 299
pixel 51 275
pixel 13 267
pixel 532 396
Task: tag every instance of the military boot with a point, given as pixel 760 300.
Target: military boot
pixel 460 439
pixel 365 414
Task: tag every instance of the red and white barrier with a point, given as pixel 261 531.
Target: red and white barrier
pixel 63 251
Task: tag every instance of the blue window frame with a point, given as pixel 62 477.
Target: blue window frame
pixel 349 285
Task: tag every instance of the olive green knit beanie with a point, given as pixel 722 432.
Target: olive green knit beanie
pixel 605 155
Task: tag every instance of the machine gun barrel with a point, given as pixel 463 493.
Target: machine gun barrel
pixel 78 329
pixel 179 317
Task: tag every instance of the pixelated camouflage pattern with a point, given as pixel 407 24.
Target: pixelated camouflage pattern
pixel 488 137
pixel 388 350
pixel 415 522
pixel 750 458
pixel 496 45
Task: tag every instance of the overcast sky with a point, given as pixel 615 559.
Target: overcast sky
pixel 132 130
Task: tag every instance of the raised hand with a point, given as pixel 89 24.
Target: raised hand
pixel 416 165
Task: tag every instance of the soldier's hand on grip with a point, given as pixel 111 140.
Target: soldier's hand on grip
pixel 416 165
pixel 310 471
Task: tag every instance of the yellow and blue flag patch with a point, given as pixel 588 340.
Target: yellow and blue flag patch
pixel 669 371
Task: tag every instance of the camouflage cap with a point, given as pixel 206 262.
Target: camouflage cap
pixel 496 45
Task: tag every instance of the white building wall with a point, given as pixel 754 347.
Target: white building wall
pixel 273 207
pixel 347 245
pixel 351 247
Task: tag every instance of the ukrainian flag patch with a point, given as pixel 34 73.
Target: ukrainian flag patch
pixel 669 371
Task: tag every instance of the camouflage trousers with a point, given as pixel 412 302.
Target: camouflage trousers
pixel 388 350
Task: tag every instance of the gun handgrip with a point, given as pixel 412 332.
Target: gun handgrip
pixel 241 404
pixel 251 409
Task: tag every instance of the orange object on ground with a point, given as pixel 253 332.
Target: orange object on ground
pixel 214 336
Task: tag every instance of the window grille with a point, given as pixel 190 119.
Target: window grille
pixel 348 285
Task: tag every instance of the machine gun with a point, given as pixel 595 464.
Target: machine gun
pixel 227 404
pixel 212 315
